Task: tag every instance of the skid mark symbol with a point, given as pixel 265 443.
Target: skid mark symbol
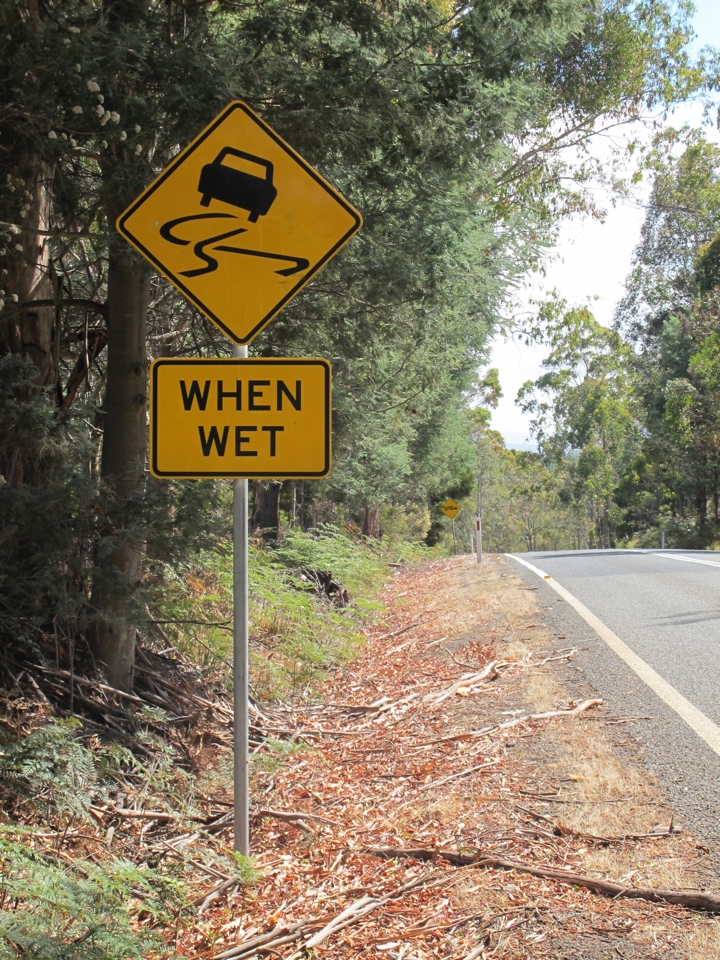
pixel 211 263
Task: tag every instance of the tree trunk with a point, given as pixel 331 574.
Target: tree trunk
pixel 266 508
pixel 606 527
pixel 701 504
pixel 31 331
pixel 119 567
pixel 371 522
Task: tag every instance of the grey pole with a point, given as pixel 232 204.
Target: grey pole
pixel 241 795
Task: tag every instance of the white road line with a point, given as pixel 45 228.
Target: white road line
pixel 694 718
pixel 675 556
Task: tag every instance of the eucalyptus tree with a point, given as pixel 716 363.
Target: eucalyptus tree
pixel 584 410
pixel 669 312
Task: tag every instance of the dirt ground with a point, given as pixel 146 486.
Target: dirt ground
pixel 461 738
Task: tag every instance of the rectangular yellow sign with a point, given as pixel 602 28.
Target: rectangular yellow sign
pixel 257 418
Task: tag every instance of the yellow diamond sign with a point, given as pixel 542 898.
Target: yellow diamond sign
pixel 239 222
pixel 450 508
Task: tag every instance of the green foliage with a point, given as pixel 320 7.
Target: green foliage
pixel 584 409
pixel 681 220
pixel 707 266
pixel 355 563
pixel 275 752
pixel 50 769
pixel 670 312
pixel 245 869
pixel 81 911
pixel 46 523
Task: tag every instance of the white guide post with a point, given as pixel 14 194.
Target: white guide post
pixel 241 795
pixel 478 538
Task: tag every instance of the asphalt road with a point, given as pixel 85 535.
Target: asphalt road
pixel 665 606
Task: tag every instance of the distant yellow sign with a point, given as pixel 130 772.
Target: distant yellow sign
pixel 265 419
pixel 239 222
pixel 450 508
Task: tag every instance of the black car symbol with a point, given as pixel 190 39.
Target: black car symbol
pixel 237 187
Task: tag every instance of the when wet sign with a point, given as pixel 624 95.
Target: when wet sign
pixel 259 418
pixel 239 222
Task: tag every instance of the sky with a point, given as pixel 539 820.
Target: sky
pixel 589 264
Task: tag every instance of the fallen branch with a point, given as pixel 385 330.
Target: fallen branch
pixel 489 672
pixel 552 658
pixel 692 899
pixel 354 912
pixel 279 935
pixel 383 705
pixel 290 817
pixel 476 952
pixel 320 928
pixel 202 903
pixel 397 633
pixel 572 712
pixel 507 724
pixel 560 830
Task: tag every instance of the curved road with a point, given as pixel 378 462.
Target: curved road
pixel 664 607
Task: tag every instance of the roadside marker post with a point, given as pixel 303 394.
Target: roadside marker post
pixel 478 538
pixel 240 223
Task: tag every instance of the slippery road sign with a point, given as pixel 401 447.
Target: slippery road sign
pixel 450 508
pixel 239 222
pixel 257 418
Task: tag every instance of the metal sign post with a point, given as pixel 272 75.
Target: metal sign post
pixel 241 700
pixel 478 539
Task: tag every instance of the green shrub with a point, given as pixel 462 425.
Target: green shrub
pixel 79 911
pixel 295 636
pixel 50 770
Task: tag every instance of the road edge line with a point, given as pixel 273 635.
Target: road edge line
pixel 697 721
pixel 675 556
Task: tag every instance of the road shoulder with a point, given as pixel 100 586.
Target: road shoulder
pixel 464 740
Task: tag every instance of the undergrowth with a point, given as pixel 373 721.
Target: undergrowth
pixel 59 903
pixel 52 910
pixel 295 636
